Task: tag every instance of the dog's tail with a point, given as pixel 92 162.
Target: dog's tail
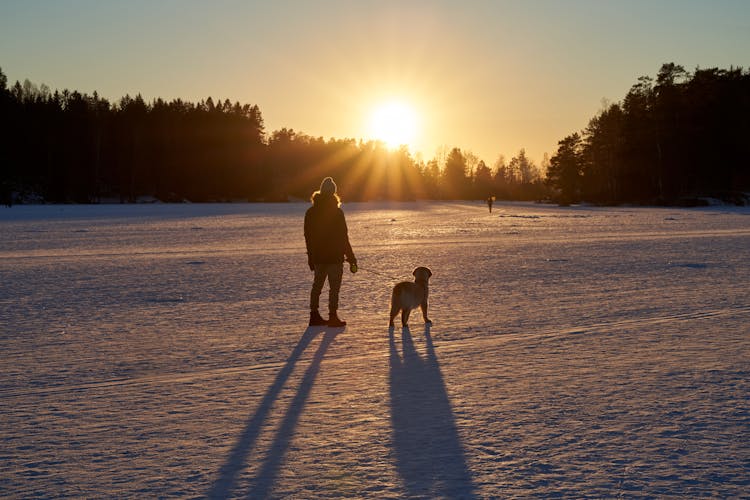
pixel 395 304
pixel 394 296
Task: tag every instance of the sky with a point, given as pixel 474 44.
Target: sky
pixel 489 77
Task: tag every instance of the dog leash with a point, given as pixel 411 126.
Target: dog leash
pixel 360 268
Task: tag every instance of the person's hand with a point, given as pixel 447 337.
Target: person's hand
pixel 310 263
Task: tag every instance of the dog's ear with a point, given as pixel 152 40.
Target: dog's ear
pixel 429 273
pixel 414 272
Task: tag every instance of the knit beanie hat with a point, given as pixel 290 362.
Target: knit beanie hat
pixel 328 187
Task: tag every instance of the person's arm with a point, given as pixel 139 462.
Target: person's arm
pixel 308 241
pixel 349 253
pixel 347 246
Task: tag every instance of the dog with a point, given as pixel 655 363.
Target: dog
pixel 407 296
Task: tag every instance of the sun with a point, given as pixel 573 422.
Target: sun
pixel 395 123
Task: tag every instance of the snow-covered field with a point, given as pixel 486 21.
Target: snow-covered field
pixel 163 351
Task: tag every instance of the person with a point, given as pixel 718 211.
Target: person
pixel 327 242
pixel 490 199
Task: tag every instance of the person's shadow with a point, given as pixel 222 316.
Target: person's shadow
pixel 429 455
pixel 238 457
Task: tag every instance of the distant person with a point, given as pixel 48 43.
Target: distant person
pixel 327 241
pixel 490 199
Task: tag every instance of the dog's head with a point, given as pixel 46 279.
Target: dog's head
pixel 422 274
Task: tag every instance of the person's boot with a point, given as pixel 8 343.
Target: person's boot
pixel 334 321
pixel 316 319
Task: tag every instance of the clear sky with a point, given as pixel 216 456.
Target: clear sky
pixel 490 77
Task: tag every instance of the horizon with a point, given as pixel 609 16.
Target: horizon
pixel 488 78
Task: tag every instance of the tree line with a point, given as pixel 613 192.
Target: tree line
pixel 673 140
pixel 72 147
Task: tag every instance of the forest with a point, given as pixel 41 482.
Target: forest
pixel 672 140
pixel 68 147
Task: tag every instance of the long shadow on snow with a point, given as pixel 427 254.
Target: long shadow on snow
pixel 239 455
pixel 429 455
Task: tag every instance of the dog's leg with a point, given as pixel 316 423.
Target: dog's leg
pixel 394 313
pixel 423 306
pixel 405 312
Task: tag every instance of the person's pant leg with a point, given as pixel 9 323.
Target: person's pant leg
pixel 319 279
pixel 335 276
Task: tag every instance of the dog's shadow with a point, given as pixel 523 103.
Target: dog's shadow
pixel 429 455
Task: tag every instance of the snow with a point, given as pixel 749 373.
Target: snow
pixel 579 352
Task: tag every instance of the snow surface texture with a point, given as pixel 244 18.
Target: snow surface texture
pixel 162 351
